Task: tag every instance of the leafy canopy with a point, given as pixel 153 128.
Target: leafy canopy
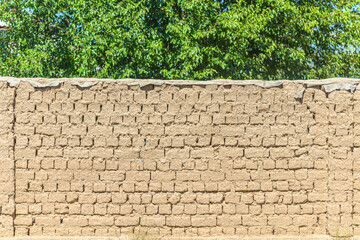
pixel 181 39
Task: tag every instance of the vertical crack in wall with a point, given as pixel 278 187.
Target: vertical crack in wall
pixel 330 194
pixel 353 159
pixel 13 155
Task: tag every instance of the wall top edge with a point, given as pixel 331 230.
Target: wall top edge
pixel 330 83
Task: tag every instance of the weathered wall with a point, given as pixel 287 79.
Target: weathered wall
pixel 7 182
pixel 182 159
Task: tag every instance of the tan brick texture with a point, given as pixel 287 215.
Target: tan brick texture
pixel 178 159
pixel 7 181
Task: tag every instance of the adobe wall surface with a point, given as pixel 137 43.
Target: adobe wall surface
pixel 7 181
pixel 179 158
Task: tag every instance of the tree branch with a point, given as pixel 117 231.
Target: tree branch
pixel 66 18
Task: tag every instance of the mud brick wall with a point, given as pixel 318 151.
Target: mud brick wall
pixel 7 181
pixel 105 158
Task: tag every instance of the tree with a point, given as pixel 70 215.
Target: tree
pixel 181 39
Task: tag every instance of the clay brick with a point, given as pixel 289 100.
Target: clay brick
pixel 156 130
pixel 177 153
pixel 162 176
pixel 23 221
pixel 47 221
pixel 25 152
pixel 281 153
pixel 203 221
pixel 178 221
pixel 212 176
pixel 125 130
pixel 299 198
pixel 231 152
pixel 164 209
pixel 126 153
pixel 256 152
pixel 305 220
pixel 152 154
pixel 112 176
pixel 254 220
pixel 137 176
pixel 24 198
pixel 188 176
pixel 76 153
pixel 281 220
pixel 124 221
pixel 339 185
pixel 238 175
pixel 199 153
pixel 7 222
pixel 50 152
pixel 160 199
pixel 231 130
pixel 101 221
pixel 51 130
pixel 102 153
pixel 76 221
pixel 74 130
pixel 282 175
pixel 176 130
pixel 119 198
pixel 152 221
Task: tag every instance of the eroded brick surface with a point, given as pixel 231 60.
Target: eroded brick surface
pixel 185 161
pixel 7 207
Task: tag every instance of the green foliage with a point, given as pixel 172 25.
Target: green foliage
pixel 181 39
